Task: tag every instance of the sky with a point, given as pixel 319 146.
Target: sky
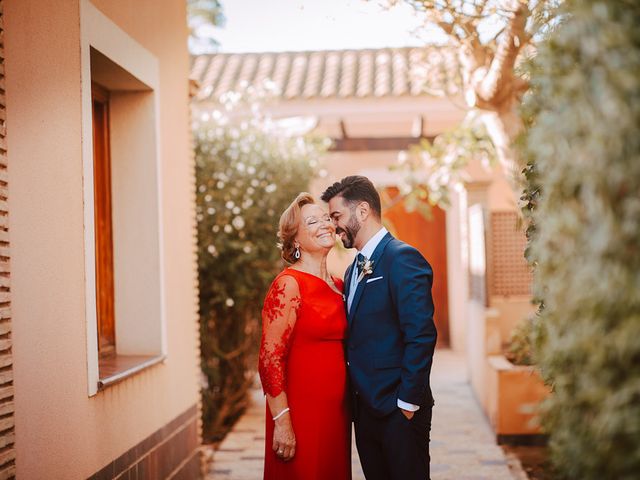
pixel 294 25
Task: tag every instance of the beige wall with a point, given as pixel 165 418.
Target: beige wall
pixel 489 328
pixel 390 116
pixel 458 269
pixel 61 432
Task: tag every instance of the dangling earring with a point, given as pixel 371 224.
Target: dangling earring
pixel 296 255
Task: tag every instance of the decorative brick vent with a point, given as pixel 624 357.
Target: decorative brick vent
pixel 7 433
pixel 509 274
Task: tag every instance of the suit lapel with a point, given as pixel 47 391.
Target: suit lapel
pixel 375 258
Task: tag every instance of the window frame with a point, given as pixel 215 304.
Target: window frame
pixel 131 75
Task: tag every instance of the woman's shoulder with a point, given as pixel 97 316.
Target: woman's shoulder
pixel 288 278
pixel 283 288
pixel 300 275
pixel 301 281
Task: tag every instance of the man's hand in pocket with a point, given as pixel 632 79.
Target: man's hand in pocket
pixel 407 413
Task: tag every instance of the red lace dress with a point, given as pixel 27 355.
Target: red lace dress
pixel 302 353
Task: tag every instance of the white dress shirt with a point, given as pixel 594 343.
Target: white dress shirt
pixel 367 251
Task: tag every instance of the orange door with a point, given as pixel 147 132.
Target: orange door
pixel 429 237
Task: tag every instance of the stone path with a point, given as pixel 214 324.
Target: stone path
pixel 462 444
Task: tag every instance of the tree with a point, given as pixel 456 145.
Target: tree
pixel 583 151
pixel 490 38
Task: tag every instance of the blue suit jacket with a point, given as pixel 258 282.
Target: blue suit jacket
pixel 392 336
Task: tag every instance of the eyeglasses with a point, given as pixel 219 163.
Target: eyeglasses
pixel 311 222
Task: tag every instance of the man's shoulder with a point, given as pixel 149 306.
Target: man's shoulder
pixel 398 247
pixel 400 252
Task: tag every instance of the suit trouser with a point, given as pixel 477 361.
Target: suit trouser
pixel 393 447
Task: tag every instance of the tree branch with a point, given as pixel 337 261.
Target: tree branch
pixel 493 87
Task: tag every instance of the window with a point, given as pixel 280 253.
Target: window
pixel 477 254
pixel 124 275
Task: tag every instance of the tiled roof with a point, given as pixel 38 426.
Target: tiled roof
pixel 410 71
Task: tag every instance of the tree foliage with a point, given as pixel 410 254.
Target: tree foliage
pixel 583 148
pixel 429 169
pixel 247 172
pixel 202 17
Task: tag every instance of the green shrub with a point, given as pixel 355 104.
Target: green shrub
pixel 520 344
pixel 247 174
pixel 584 145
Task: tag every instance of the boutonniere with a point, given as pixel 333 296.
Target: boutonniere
pixel 366 268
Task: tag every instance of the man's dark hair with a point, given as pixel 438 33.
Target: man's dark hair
pixel 355 189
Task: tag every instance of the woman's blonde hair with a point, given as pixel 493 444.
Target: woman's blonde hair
pixel 288 226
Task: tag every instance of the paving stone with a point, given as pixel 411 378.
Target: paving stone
pixel 493 462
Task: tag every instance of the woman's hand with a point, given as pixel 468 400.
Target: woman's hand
pixel 284 440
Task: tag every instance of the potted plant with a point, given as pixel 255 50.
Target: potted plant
pixel 516 389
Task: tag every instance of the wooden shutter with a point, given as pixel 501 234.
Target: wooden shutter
pixel 103 221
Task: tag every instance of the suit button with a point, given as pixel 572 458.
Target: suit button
pixel 348 364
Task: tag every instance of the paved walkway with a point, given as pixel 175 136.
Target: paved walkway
pixel 462 444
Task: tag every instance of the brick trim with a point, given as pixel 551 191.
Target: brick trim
pixel 171 452
pixel 7 431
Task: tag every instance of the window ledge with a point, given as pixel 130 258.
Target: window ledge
pixel 115 368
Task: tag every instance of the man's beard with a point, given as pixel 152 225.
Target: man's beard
pixel 350 231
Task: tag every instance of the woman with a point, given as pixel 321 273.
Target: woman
pixel 302 366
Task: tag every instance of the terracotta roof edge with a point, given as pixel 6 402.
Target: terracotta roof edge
pixel 308 52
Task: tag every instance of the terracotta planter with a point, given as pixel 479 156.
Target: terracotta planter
pixel 515 391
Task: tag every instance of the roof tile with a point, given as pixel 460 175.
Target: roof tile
pixel 265 67
pixel 349 74
pixel 334 73
pixel 400 72
pixel 383 74
pixel 365 74
pixel 296 76
pixel 227 77
pixel 330 77
pixel 314 75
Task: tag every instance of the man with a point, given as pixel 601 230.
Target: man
pixel 391 336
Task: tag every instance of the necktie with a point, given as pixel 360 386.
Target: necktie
pixel 359 264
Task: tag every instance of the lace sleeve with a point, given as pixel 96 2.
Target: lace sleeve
pixel 278 319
